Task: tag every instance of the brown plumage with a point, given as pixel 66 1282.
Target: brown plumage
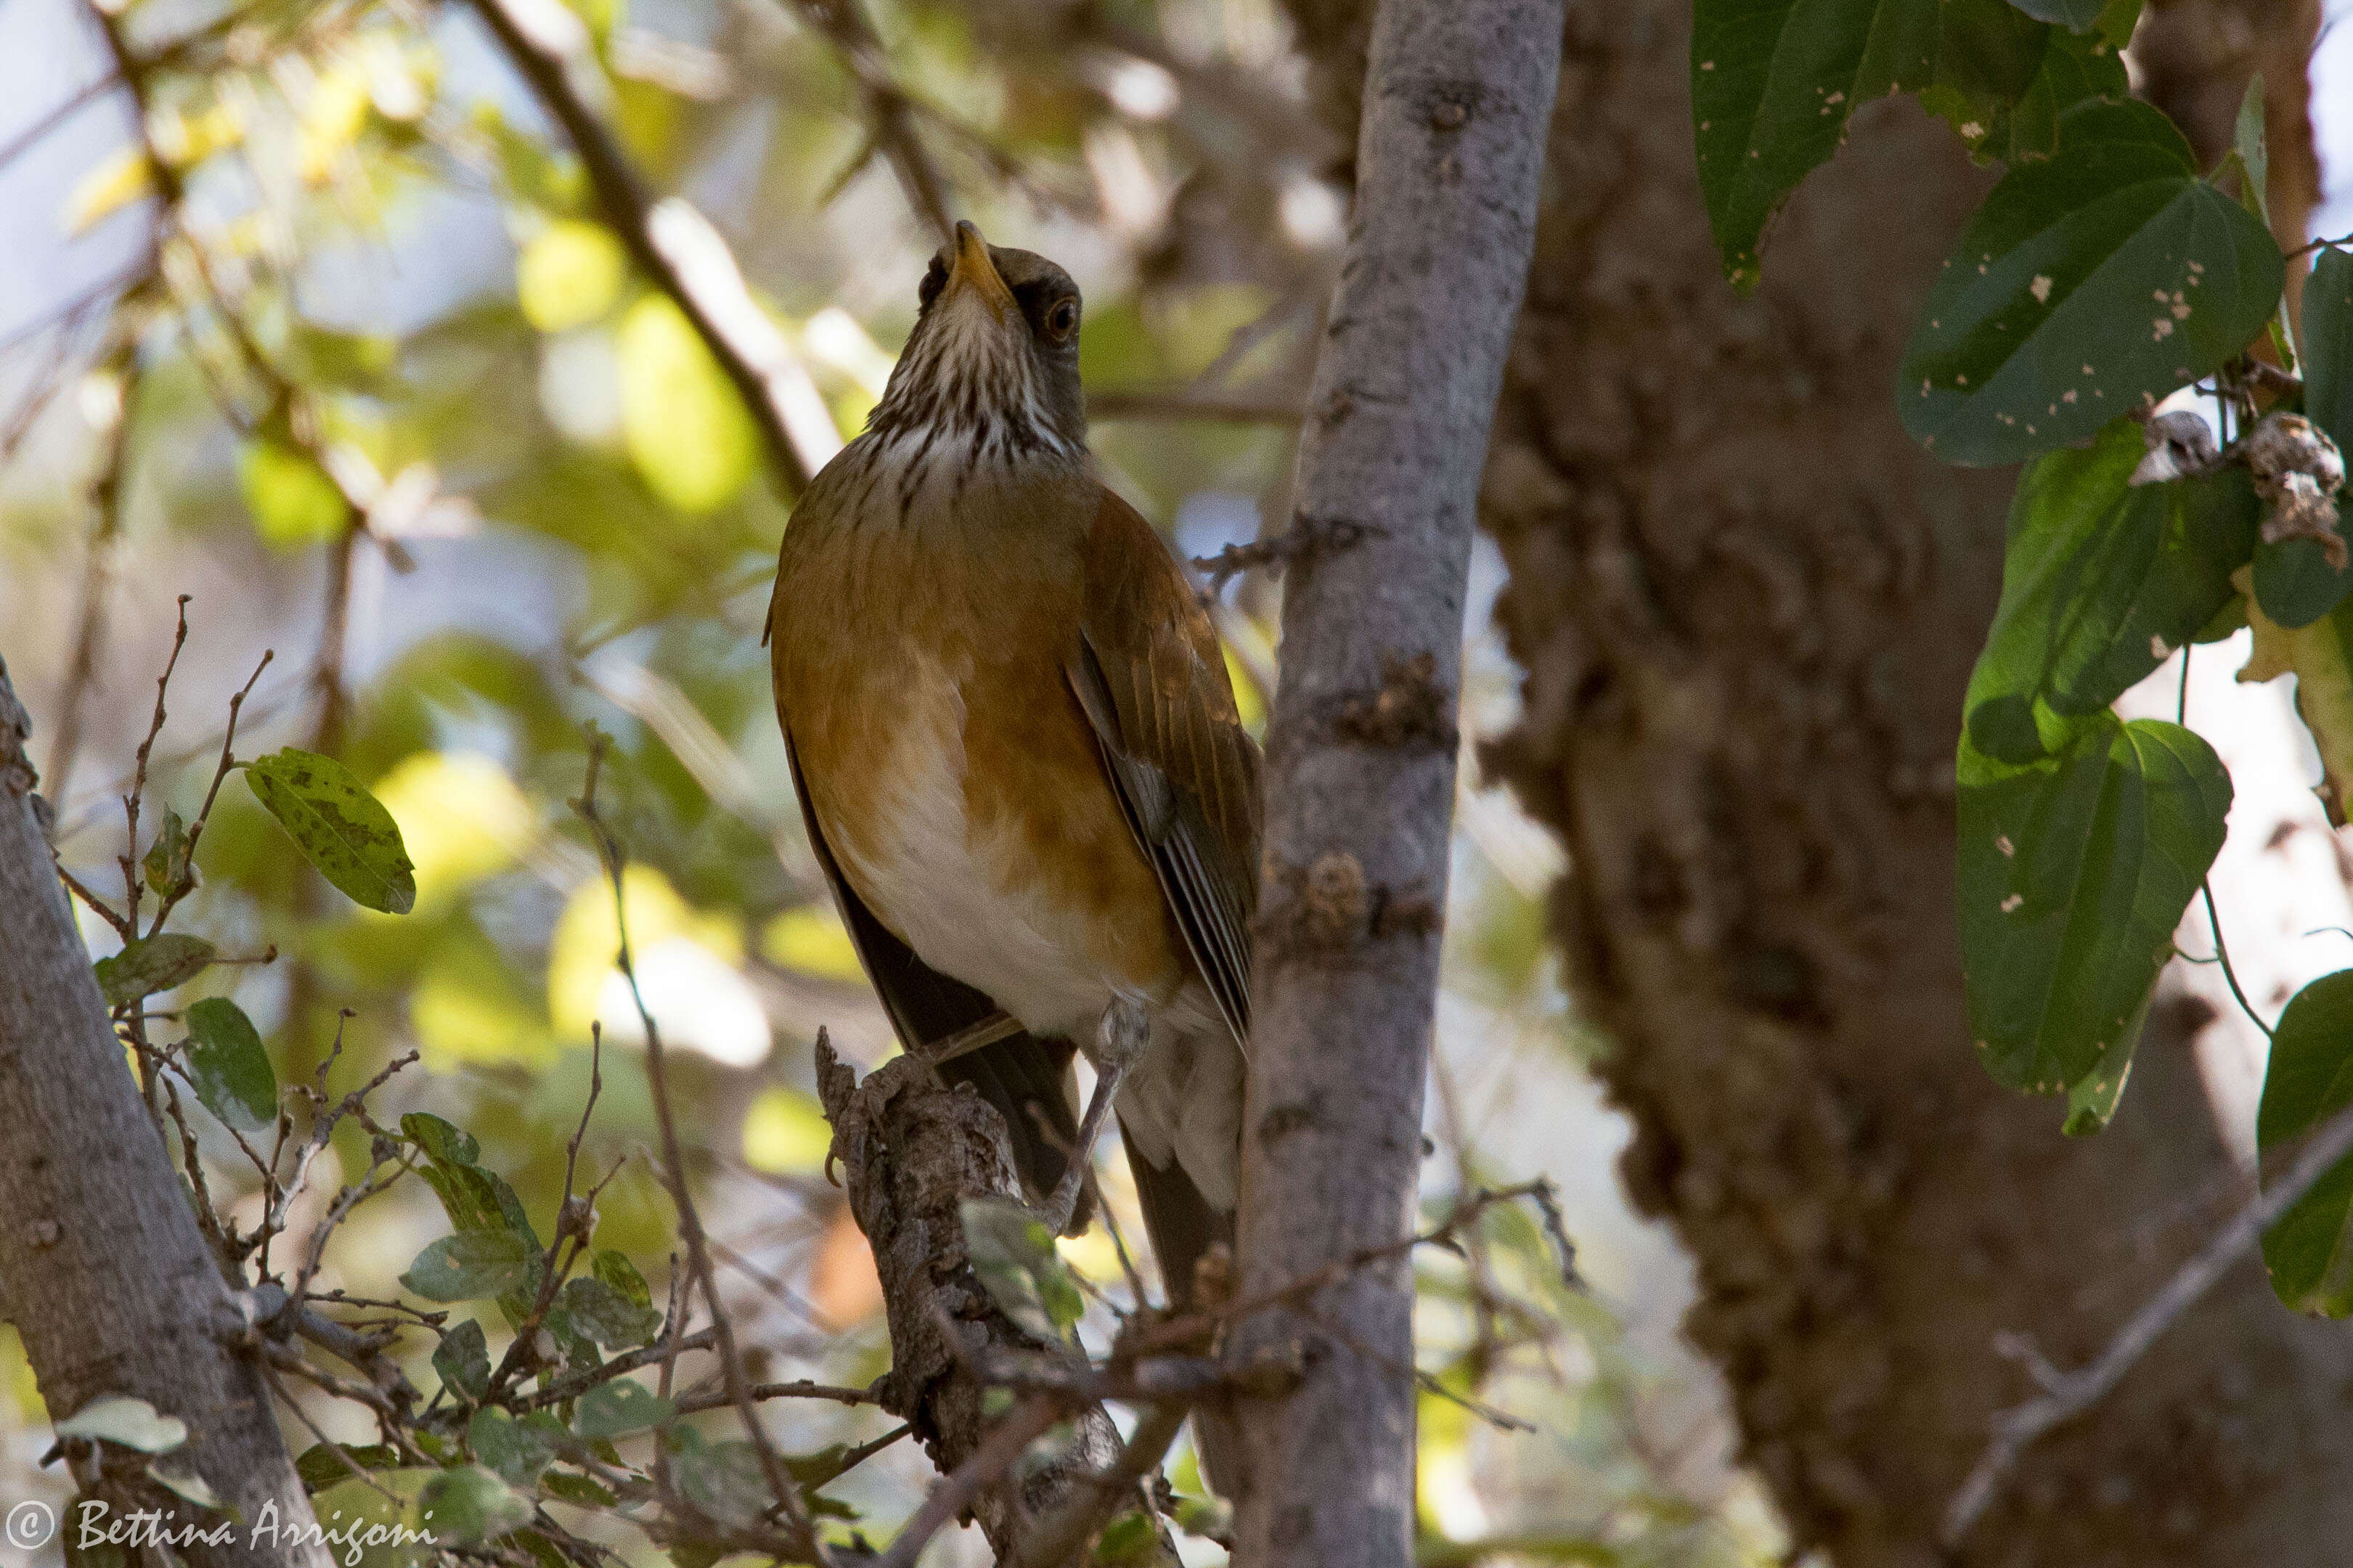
pixel 1017 752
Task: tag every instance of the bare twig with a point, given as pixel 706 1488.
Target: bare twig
pixel 674 243
pixel 1176 403
pixel 689 1224
pixel 1058 1537
pixel 889 110
pixel 954 1492
pixel 2067 1394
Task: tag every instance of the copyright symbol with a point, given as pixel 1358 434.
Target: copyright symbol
pixel 30 1524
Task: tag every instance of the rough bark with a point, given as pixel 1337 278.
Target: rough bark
pixel 102 1269
pixel 1360 759
pixel 1746 605
pixel 912 1150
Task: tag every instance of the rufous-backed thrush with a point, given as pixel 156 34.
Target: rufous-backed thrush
pixel 1019 762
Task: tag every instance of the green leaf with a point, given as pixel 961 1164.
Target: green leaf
pixel 517 1450
pixel 2293 582
pixel 292 499
pixel 723 1480
pixel 2092 1100
pixel 1773 82
pixel 616 1269
pixel 167 857
pixel 1128 1542
pixel 126 1421
pixel 1015 1258
pixel 321 1467
pixel 565 1487
pixel 2329 345
pixel 470 1507
pixel 463 1359
pixel 2073 872
pixel 228 1065
pixel 443 1142
pixel 151 964
pixel 611 1409
pixel 340 828
pixel 2310 1079
pixel 608 1316
pixel 471 1265
pixel 683 423
pixel 2086 286
pixel 2102 580
pixel 570 274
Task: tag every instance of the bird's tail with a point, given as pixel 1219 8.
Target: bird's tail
pixel 1183 1226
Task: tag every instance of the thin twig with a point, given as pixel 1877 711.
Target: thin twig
pixel 1058 1537
pixel 689 1224
pixel 954 1492
pixel 2067 1394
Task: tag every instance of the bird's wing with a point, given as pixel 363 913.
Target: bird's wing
pixel 1013 1074
pixel 1152 678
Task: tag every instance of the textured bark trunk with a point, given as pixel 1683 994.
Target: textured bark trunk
pixel 1747 606
pixel 1360 763
pixel 103 1270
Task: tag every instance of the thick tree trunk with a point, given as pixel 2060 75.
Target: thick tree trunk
pixel 1360 761
pixel 1747 604
pixel 103 1270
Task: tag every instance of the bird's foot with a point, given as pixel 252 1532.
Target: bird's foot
pixel 1120 1039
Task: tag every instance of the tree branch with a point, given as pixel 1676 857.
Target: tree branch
pixel 673 243
pixel 2067 1394
pixel 106 1274
pixel 1361 762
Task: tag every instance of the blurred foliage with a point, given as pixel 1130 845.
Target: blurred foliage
pixel 386 395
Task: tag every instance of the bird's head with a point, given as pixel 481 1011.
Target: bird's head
pixel 992 366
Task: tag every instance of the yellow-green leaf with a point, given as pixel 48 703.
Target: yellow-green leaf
pixel 2320 657
pixel 292 500
pixel 570 275
pixel 340 828
pixel 120 178
pixel 686 429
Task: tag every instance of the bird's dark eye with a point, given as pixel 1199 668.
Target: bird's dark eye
pixel 933 282
pixel 1062 319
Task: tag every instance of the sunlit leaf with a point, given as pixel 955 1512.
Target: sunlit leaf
pixel 229 1067
pixel 121 178
pixel 812 939
pixel 151 964
pixel 569 274
pixel 2320 657
pixel 685 427
pixel 340 828
pixel 129 1423
pixel 785 1133
pixel 292 500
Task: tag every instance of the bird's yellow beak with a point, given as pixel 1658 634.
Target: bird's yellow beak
pixel 972 269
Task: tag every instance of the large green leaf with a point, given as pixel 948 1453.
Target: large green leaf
pixel 229 1067
pixel 340 828
pixel 2102 581
pixel 472 1197
pixel 2087 285
pixel 1773 82
pixel 2075 870
pixel 2310 1080
pixel 1014 1255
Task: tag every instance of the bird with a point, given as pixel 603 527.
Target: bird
pixel 1021 768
